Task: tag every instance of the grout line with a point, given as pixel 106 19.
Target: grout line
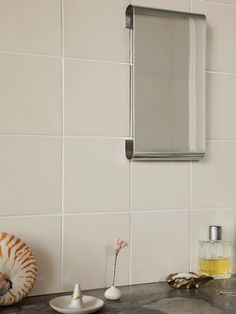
pixel 30 215
pixel 62 213
pixel 65 136
pixel 62 29
pixel 190 208
pixel 99 136
pixel 150 211
pixel 125 212
pixel 217 3
pixel 29 54
pixel 212 209
pixel 220 72
pixel 97 60
pixel 130 217
pixel 92 136
pixel 30 135
pixel 131 82
pixel 62 144
pixel 220 141
pixel 62 99
pixel 131 65
pixel 190 194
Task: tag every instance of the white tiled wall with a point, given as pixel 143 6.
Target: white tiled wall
pixel 88 253
pixel 96 99
pixel 31 26
pixel 66 186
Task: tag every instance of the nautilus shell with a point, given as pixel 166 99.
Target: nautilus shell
pixel 18 269
pixel 187 280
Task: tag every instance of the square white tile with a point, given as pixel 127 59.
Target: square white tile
pixel 96 98
pixel 31 26
pixel 160 245
pixel 30 89
pixel 180 5
pixel 214 178
pixel 159 185
pixel 220 106
pixel 96 29
pixel 201 220
pixel 96 175
pixel 30 180
pixel 221 48
pixel 43 235
pixel 89 251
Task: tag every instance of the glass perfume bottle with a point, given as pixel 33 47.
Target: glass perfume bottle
pixel 215 255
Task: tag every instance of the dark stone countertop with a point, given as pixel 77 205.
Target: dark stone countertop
pixel 156 298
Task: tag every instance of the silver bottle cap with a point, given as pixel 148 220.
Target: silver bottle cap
pixel 215 233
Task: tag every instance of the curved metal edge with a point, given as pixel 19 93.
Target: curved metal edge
pixel 129 149
pixel 129 17
pixel 132 9
pixel 168 157
pixel 130 154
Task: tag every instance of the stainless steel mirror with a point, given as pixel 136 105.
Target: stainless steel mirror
pixel 167 84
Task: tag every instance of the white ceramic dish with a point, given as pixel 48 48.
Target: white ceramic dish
pixel 63 305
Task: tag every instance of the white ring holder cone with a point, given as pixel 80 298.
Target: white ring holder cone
pixel 77 303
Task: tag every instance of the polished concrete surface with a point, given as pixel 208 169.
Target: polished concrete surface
pixel 156 298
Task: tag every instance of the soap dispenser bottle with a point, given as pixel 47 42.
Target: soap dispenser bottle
pixel 215 255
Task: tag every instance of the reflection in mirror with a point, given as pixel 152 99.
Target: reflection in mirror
pixel 167 85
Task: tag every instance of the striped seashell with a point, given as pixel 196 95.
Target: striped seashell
pixel 18 269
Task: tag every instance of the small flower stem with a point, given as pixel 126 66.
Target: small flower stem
pixel 114 272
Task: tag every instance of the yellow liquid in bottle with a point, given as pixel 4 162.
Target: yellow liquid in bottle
pixel 218 268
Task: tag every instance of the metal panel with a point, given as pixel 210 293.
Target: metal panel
pixel 167 84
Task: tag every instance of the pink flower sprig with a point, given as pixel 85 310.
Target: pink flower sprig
pixel 119 245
